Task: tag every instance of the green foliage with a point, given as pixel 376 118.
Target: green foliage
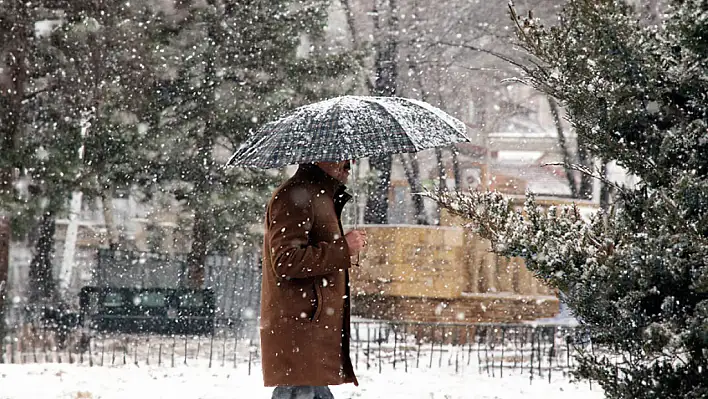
pixel 156 99
pixel 228 69
pixel 637 275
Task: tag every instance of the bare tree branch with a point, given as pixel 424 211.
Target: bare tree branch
pixel 32 95
pixel 486 51
pixel 596 174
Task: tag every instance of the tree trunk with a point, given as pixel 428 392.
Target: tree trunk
pixel 605 189
pixel 584 189
pixel 198 253
pixel 412 170
pixel 418 200
pixel 442 171
pixel 4 269
pixel 416 187
pixel 42 284
pixel 442 181
pixel 108 219
pixel 567 158
pixel 456 168
pixel 386 70
pixel 376 211
pixel 14 38
pixel 586 181
pixel 356 44
pixel 201 231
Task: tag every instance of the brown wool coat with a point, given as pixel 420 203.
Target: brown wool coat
pixel 305 289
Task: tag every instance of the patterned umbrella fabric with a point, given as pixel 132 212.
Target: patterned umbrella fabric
pixel 349 127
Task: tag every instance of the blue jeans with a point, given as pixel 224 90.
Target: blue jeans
pixel 302 392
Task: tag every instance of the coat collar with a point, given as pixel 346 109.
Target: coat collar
pixel 314 174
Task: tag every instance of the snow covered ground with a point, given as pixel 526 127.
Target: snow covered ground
pixel 65 381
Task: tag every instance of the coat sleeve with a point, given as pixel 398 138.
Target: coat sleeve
pixel 292 254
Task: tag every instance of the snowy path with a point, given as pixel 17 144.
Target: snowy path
pixel 64 381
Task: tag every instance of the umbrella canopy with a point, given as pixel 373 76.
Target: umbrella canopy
pixel 349 127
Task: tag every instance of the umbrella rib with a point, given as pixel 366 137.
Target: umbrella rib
pixel 393 117
pixel 257 141
pixel 248 149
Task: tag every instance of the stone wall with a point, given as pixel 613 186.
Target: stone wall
pixel 412 261
pixel 444 274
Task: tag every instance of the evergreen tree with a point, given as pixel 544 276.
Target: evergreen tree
pixel 636 275
pixel 85 134
pixel 24 81
pixel 85 73
pixel 16 41
pixel 231 66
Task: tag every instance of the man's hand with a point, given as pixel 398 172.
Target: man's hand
pixel 356 240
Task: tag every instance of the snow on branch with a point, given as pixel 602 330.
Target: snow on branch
pixel 557 244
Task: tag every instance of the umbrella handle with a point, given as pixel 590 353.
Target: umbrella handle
pixel 354 194
pixel 355 171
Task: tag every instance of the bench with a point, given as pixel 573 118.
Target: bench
pixel 148 310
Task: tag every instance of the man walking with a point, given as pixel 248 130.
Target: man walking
pixel 305 299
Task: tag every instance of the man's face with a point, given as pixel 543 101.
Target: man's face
pixel 338 170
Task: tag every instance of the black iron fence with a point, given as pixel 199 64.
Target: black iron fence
pixel 498 350
pixel 492 349
pixel 233 285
